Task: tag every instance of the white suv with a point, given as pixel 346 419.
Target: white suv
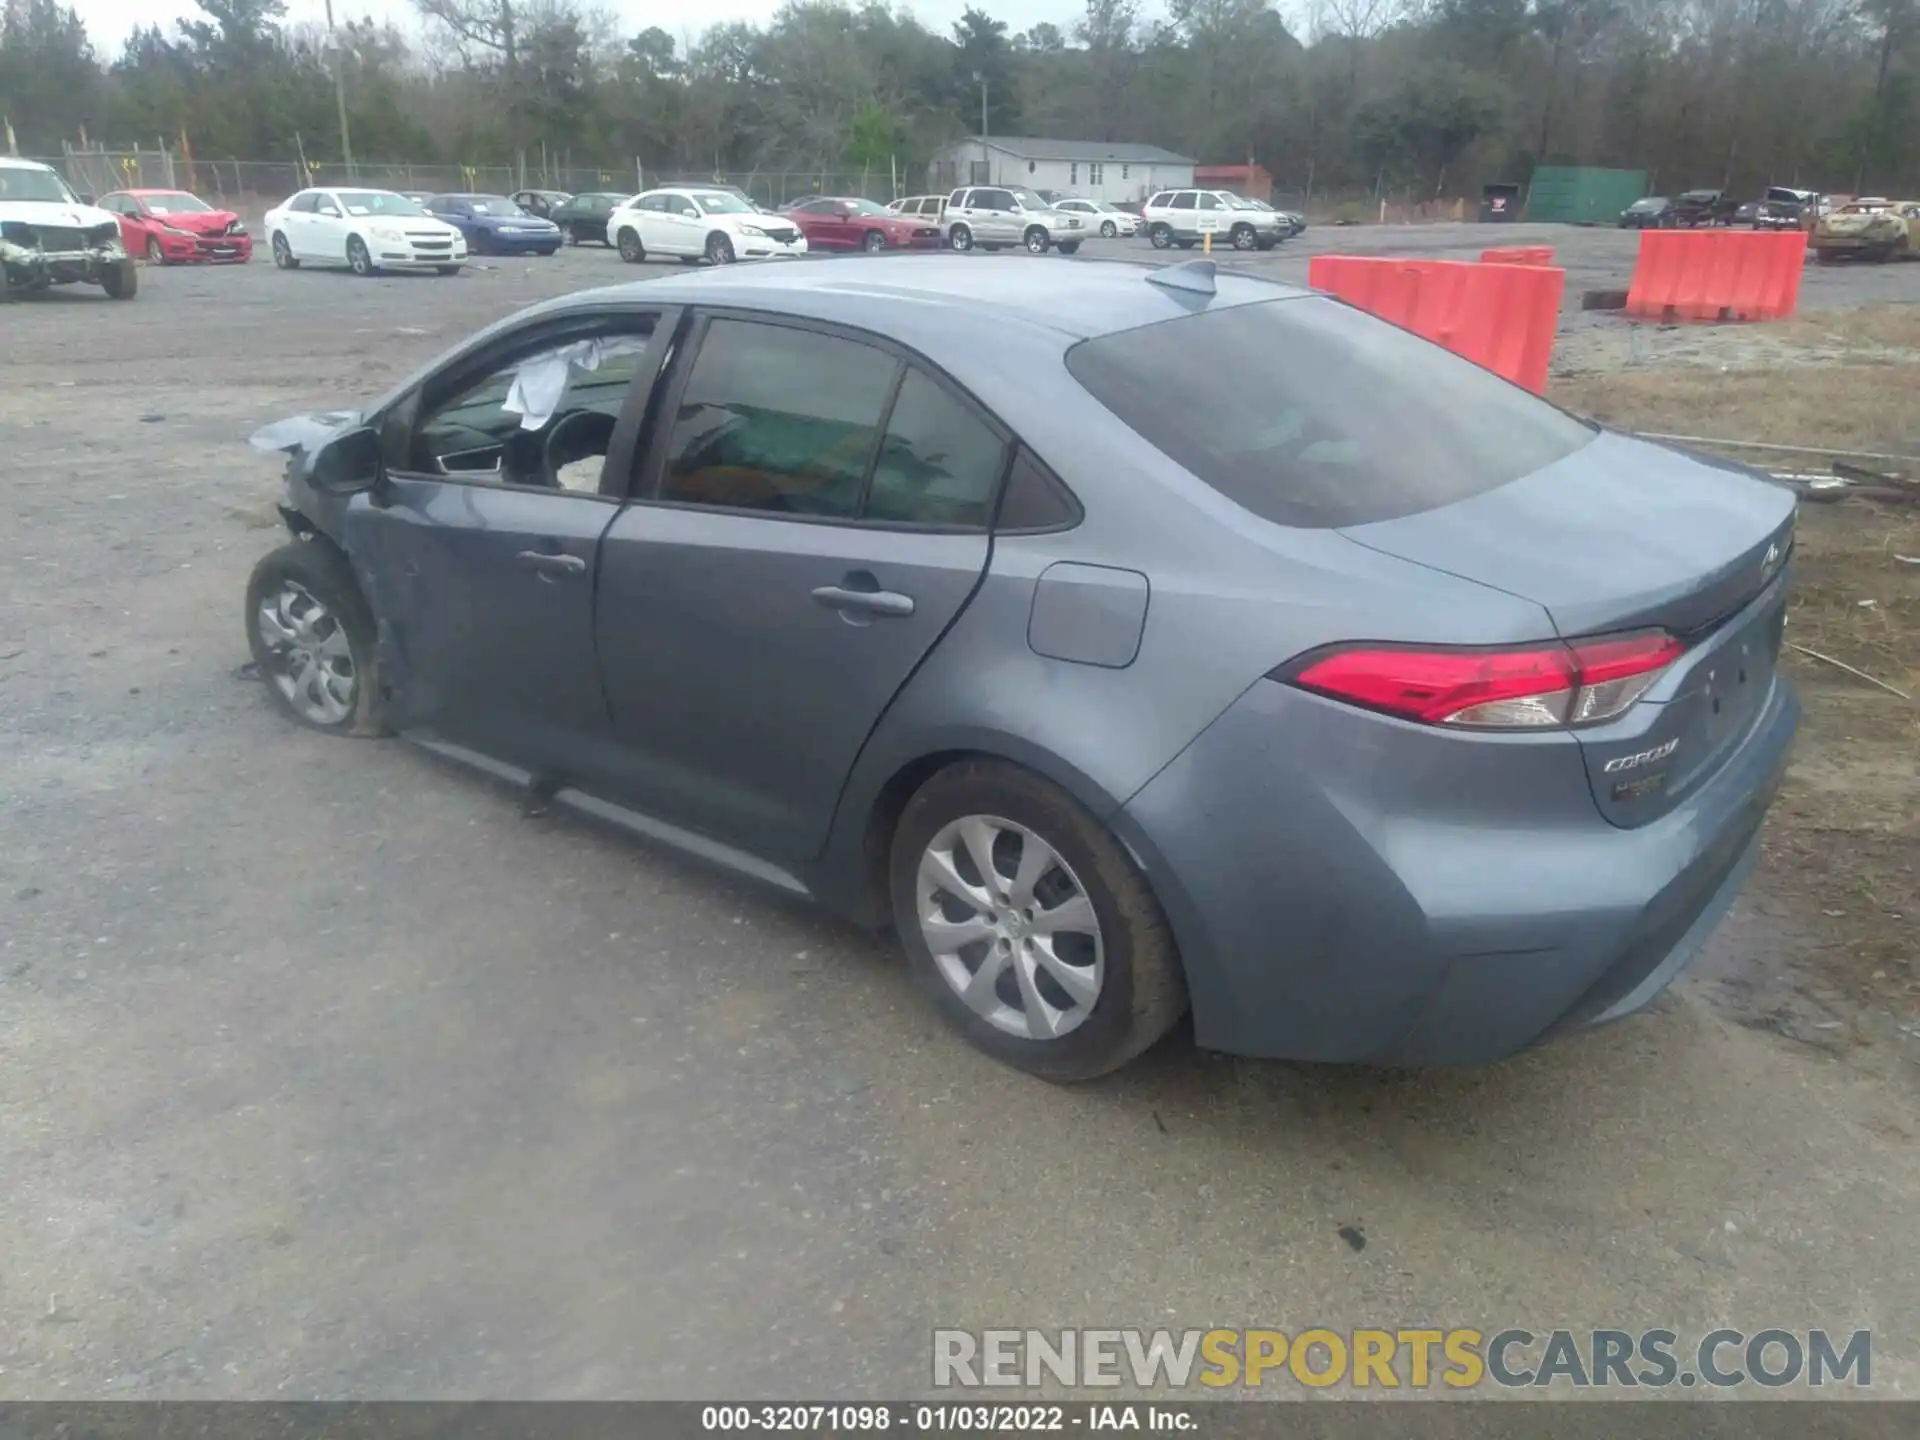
pixel 691 223
pixel 1104 218
pixel 996 216
pixel 1181 217
pixel 51 236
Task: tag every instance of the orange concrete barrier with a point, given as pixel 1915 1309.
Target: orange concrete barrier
pixel 1517 255
pixel 1717 274
pixel 1501 316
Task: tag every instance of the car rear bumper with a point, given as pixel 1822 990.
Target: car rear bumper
pixel 1345 887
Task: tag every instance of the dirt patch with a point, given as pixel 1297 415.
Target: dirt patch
pixel 1841 866
pixel 1845 380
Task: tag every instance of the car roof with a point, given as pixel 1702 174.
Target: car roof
pixel 14 162
pixel 920 299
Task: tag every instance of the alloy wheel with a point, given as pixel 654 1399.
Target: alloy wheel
pixel 1010 927
pixel 875 242
pixel 282 253
pixel 961 238
pixel 155 255
pixel 312 659
pixel 1108 230
pixel 719 251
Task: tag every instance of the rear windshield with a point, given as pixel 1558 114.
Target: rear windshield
pixel 1310 413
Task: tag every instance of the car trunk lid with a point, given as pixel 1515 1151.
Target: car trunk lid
pixel 1626 535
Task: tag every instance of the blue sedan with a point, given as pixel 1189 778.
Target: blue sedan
pixel 1338 691
pixel 494 225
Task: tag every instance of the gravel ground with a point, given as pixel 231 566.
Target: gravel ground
pixel 329 1072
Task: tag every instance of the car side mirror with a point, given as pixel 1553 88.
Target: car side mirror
pixel 347 464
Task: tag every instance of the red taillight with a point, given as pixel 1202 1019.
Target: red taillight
pixel 1576 683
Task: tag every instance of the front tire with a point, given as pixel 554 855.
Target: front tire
pixel 121 281
pixel 1161 236
pixel 1243 237
pixel 156 255
pixel 719 249
pixel 359 258
pixel 960 238
pixel 448 269
pixel 1068 247
pixel 312 638
pixel 631 250
pixel 283 254
pixel 874 243
pixel 1036 240
pixel 1108 230
pixel 1036 935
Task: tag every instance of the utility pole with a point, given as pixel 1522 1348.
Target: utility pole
pixel 986 159
pixel 340 90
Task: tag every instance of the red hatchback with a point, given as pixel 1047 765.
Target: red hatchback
pixel 169 227
pixel 838 222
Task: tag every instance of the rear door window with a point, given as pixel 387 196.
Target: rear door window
pixel 1310 413
pixel 778 419
pixel 1182 202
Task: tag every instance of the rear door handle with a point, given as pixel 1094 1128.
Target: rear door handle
pixel 550 564
pixel 865 602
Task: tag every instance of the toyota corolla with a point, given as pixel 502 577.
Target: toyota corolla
pixel 1362 704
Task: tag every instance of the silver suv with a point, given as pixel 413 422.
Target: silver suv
pixel 996 216
pixel 1181 217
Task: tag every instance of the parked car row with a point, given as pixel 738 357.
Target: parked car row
pixel 1781 208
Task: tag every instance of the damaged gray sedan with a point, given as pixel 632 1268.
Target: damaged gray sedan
pixel 1338 691
pixel 51 236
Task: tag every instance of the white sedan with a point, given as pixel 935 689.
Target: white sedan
pixel 365 230
pixel 690 223
pixel 1106 220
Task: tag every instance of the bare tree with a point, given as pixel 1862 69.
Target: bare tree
pixel 489 27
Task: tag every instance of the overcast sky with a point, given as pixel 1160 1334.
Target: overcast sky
pixel 109 22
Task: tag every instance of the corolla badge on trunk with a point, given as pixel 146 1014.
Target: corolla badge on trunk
pixel 1644 757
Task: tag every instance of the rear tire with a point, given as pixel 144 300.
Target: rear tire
pixel 312 636
pixel 1068 247
pixel 1128 987
pixel 1161 236
pixel 631 250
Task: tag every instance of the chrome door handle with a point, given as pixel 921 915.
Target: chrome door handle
pixel 869 602
pixel 543 561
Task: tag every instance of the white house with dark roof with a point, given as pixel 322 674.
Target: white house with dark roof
pixel 1097 169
